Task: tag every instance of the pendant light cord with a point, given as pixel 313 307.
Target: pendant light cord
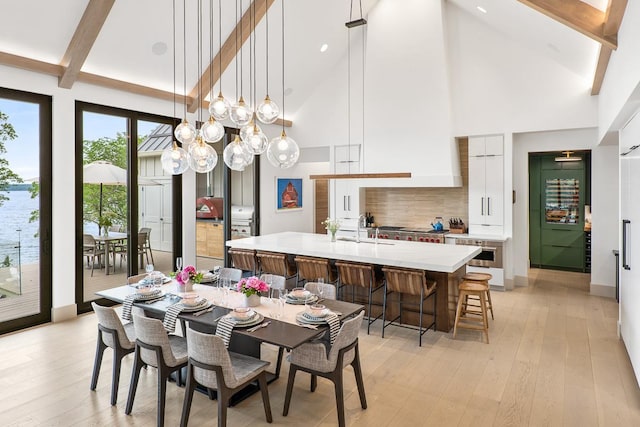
pixel 211 50
pixel 349 95
pixel 184 55
pixel 235 36
pixel 283 67
pixel 241 51
pixel 199 61
pixel 266 20
pixel 173 34
pixel 220 43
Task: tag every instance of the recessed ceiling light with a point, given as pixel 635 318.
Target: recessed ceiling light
pixel 324 47
pixel 159 48
pixel 481 9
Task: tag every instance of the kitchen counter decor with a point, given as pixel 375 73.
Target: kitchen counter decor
pixel 251 288
pixel 332 225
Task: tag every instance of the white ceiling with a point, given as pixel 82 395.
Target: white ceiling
pixel 42 29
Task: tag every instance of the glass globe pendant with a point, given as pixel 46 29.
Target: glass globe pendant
pixel 219 107
pixel 202 157
pixel 212 130
pixel 256 141
pixel 174 160
pixel 241 114
pixel 247 130
pixel 268 111
pixel 283 152
pixel 185 132
pixel 236 155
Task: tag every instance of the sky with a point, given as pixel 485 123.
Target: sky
pixel 21 151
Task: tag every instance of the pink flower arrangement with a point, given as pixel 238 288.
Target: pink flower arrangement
pixel 252 286
pixel 188 273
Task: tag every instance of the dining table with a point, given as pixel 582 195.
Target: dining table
pixel 107 240
pixel 283 330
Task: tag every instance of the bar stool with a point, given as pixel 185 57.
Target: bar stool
pixel 244 259
pixel 476 289
pixel 363 276
pixel 484 279
pixel 276 263
pixel 411 282
pixel 310 269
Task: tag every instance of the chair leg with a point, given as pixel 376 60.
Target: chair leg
pixel 384 311
pixel 338 385
pixel 162 392
pixel 188 397
pixel 461 297
pixel 359 381
pixel 489 299
pixel 314 383
pixel 115 376
pixel 98 361
pixel 287 396
pixel 420 321
pixel 262 382
pixel 279 361
pixel 223 404
pixel 137 365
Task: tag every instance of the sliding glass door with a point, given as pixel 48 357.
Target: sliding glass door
pixel 25 209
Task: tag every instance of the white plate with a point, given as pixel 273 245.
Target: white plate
pixel 258 318
pixel 204 304
pixel 295 301
pixel 144 297
pixel 300 317
pixel 251 316
pixel 321 315
pixel 165 280
pixel 198 303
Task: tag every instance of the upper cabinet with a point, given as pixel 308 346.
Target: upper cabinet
pixel 486 185
pixel 348 195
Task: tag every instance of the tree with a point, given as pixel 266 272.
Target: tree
pixel 7 133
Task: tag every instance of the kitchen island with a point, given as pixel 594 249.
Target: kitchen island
pixel 443 263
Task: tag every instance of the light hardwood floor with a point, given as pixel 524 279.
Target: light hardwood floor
pixel 554 359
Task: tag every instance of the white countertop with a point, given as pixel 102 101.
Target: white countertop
pixel 492 237
pixel 424 256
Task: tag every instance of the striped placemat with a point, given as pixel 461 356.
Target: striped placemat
pixel 225 328
pixel 171 315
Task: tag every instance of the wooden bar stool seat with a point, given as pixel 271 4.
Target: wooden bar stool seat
pixel 310 269
pixel 363 276
pixel 276 263
pixel 484 279
pixel 478 290
pixel 244 259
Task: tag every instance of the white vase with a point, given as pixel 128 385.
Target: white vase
pixel 251 301
pixel 186 287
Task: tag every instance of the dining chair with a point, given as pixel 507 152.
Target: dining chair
pixel 135 279
pixel 233 274
pixel 411 282
pixel 328 290
pixel 156 348
pixel 91 250
pixel 244 259
pixel 310 269
pixel 276 282
pixel 144 245
pixel 111 334
pixel 314 358
pixel 364 276
pixel 276 263
pixel 211 365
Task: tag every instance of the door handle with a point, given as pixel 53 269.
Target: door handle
pixel 488 206
pixel 349 200
pixel 625 223
pixel 481 205
pixel 344 203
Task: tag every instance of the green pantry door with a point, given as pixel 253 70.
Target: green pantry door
pixel 556 217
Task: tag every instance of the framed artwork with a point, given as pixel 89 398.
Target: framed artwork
pixel 288 194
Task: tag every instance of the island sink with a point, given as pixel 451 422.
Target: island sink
pixel 371 242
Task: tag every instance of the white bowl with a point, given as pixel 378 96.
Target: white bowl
pixel 317 310
pixel 190 300
pixel 242 313
pixel 300 293
pixel 145 289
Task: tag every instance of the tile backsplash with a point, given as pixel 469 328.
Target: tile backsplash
pixel 417 207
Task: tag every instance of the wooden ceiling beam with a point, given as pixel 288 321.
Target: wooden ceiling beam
pixel 229 50
pixel 578 15
pixel 29 64
pixel 86 33
pixel 613 20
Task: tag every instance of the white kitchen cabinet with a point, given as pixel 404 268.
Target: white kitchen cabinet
pixel 486 185
pixel 349 197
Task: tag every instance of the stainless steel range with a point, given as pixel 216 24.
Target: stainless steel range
pixel 410 234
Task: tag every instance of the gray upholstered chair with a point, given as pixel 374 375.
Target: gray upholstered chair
pixel 113 334
pixel 233 274
pixel 213 366
pixel 274 281
pixel 328 290
pixel 156 348
pixel 314 359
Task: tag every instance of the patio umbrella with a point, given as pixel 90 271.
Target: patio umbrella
pixel 105 173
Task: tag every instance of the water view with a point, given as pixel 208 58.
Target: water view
pixel 16 230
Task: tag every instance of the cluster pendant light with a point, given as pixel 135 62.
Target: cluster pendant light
pixel 282 151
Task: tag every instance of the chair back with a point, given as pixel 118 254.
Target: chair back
pixel 355 274
pixel 151 332
pixel 143 239
pixel 313 268
pixel 328 290
pixel 135 279
pixel 233 274
pixel 274 281
pixel 406 281
pixel 115 228
pixel 108 318
pixel 209 349
pixel 346 336
pixel 275 263
pixel 244 259
pixel 88 241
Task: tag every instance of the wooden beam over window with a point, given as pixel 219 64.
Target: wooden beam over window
pixel 229 50
pixel 613 20
pixel 578 15
pixel 83 39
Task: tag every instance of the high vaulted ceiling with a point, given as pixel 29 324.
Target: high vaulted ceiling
pixel 121 42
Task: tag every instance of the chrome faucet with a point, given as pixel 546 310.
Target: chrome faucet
pixel 361 219
pixel 377 235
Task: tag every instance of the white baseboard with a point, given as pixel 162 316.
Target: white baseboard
pixel 618 330
pixel 60 314
pixel 602 290
pixel 520 281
